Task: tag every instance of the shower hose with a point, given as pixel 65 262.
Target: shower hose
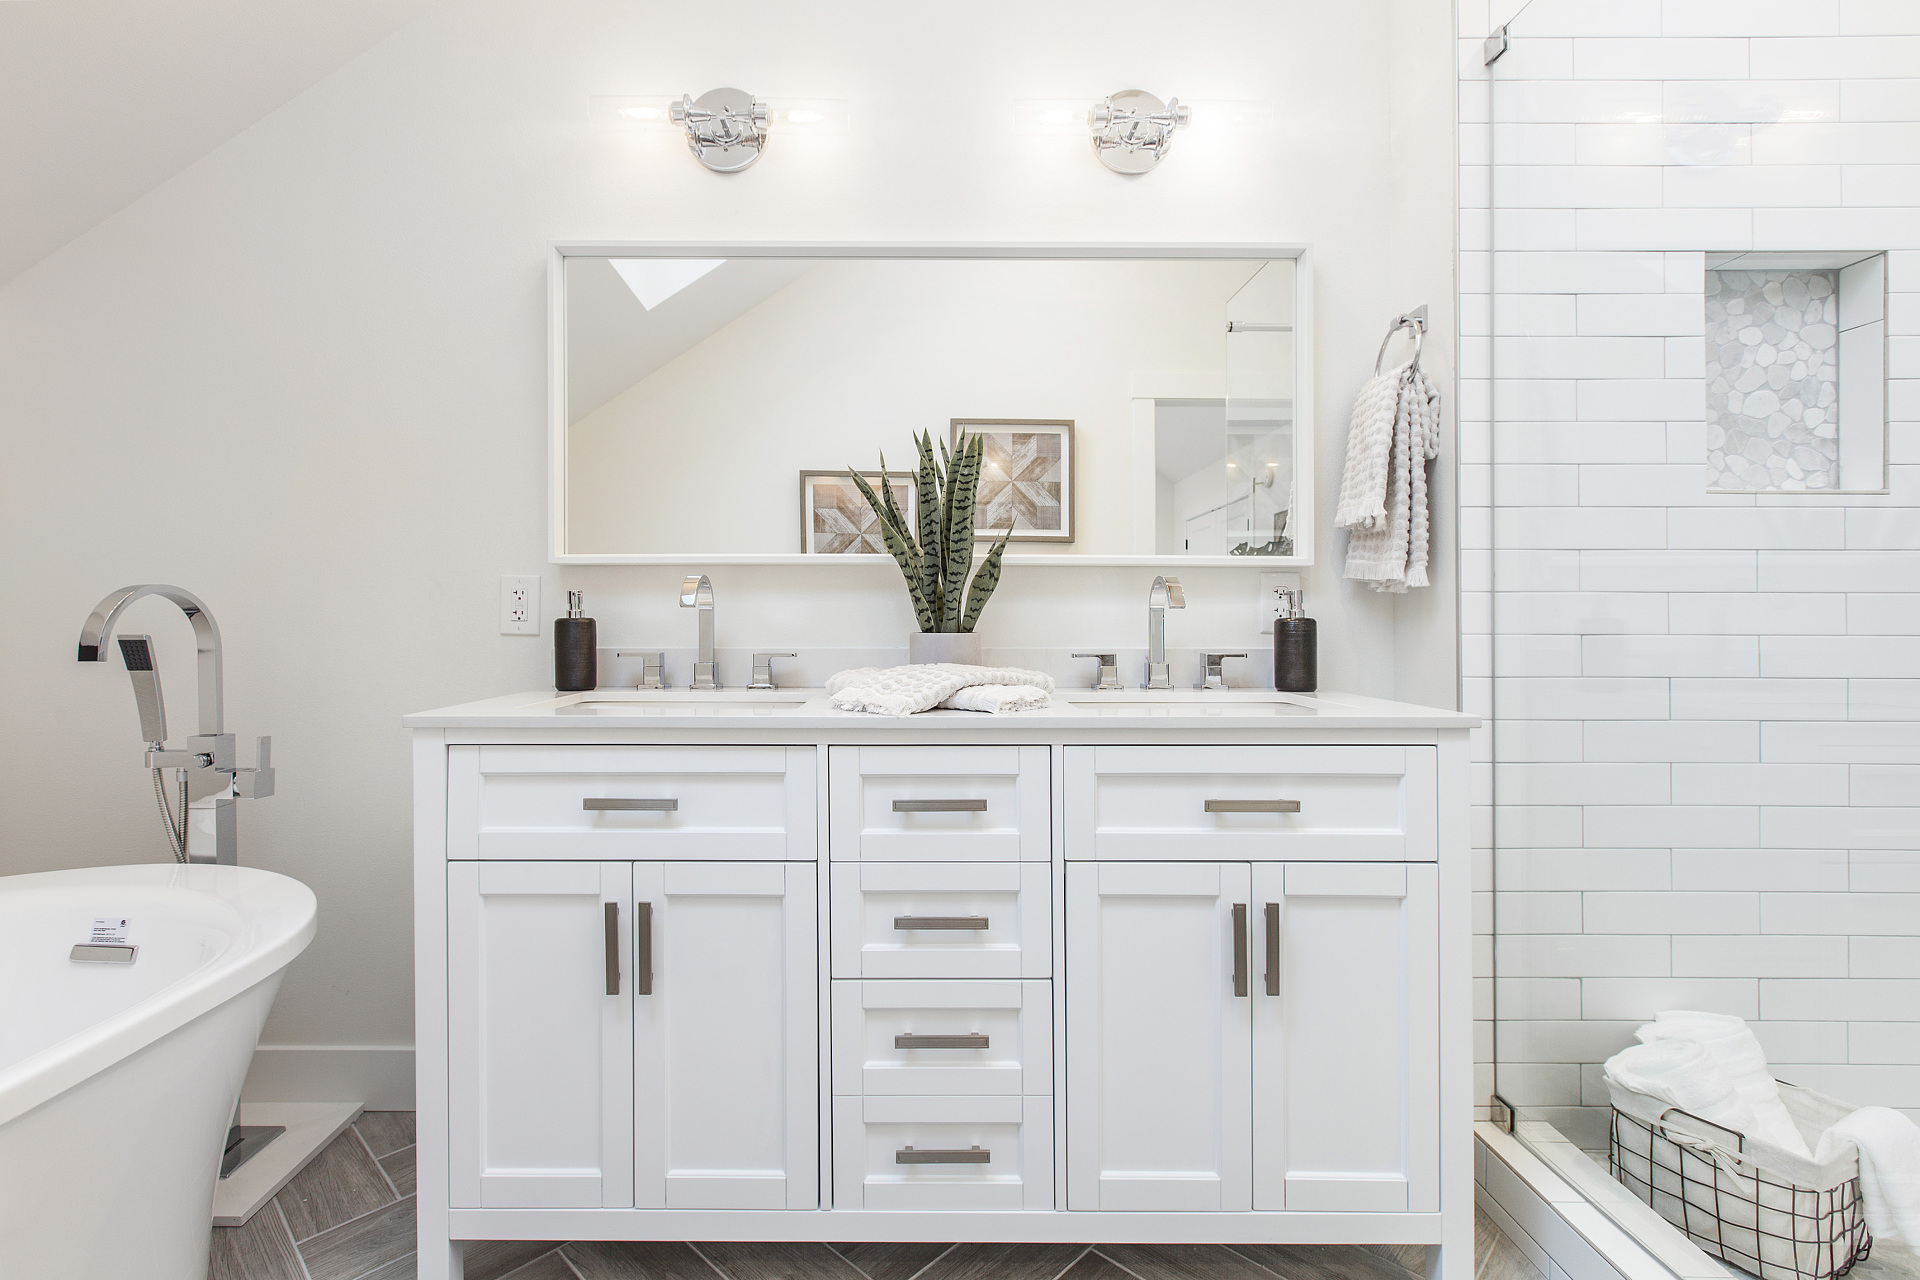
pixel 176 832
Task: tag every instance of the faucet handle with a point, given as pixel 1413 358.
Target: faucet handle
pixel 1212 676
pixel 763 670
pixel 653 670
pixel 257 783
pixel 1108 676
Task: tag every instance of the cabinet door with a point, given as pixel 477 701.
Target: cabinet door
pixel 725 1036
pixel 1158 1084
pixel 1346 1054
pixel 540 1034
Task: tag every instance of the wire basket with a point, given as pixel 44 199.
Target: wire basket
pixel 1772 1213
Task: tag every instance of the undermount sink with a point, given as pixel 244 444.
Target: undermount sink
pixel 1187 702
pixel 678 702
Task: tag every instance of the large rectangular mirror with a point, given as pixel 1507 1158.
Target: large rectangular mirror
pixel 1140 404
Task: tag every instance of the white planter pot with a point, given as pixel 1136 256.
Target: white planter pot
pixel 945 646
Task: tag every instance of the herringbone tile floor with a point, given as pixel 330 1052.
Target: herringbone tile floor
pixel 349 1216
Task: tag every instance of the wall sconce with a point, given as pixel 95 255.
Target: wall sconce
pixel 1132 129
pixel 726 128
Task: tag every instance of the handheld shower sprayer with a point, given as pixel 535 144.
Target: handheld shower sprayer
pixel 138 653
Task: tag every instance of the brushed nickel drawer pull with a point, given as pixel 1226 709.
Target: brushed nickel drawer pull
pixel 594 804
pixel 944 1155
pixel 1239 948
pixel 939 922
pixel 643 949
pixel 910 1040
pixel 939 806
pixel 1273 948
pixel 613 948
pixel 1253 806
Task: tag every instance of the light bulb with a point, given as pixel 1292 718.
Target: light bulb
pixel 803 116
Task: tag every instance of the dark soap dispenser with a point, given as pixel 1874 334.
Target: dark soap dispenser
pixel 1296 657
pixel 574 640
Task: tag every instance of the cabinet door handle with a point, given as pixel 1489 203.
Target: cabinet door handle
pixel 1253 806
pixel 613 948
pixel 643 949
pixel 943 1155
pixel 1273 948
pixel 939 922
pixel 939 806
pixel 910 1040
pixel 603 804
pixel 1239 948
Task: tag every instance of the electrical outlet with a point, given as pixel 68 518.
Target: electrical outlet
pixel 1272 603
pixel 519 604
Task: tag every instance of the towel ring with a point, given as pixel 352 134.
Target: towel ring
pixel 1415 320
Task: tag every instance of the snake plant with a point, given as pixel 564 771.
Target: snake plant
pixel 935 557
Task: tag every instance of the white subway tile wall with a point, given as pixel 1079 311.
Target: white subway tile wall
pixel 1708 734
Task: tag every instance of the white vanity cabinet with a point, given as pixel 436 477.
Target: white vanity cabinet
pixel 812 976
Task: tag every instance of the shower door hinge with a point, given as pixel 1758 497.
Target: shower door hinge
pixel 1493 46
pixel 1500 1111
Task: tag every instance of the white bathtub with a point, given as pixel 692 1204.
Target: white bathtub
pixel 117 1080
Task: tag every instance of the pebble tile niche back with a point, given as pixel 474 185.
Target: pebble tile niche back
pixel 1116 970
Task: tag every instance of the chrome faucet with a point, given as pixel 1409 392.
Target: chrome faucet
pixel 1211 674
pixel 697 593
pixel 1164 594
pixel 210 778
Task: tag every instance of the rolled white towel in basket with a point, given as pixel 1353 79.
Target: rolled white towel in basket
pixel 1889 1147
pixel 1682 1074
pixel 1731 1044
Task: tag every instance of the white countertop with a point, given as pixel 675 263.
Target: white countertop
pixel 1239 709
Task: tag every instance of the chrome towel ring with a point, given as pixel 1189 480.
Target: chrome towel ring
pixel 1415 320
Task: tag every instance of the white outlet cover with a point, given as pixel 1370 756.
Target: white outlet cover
pixel 519 604
pixel 1271 603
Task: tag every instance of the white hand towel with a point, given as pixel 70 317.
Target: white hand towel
pixel 1682 1074
pixel 1387 549
pixel 1889 1146
pixel 996 698
pixel 1732 1045
pixel 1363 485
pixel 907 690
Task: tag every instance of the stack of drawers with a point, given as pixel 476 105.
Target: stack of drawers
pixel 942 949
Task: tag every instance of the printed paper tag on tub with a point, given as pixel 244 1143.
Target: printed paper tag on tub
pixel 109 931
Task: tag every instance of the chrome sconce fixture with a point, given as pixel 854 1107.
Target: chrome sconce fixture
pixel 1132 129
pixel 726 128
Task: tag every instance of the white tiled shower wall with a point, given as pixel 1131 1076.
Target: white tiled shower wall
pixel 1709 704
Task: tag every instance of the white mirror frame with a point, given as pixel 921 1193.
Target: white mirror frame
pixel 1146 389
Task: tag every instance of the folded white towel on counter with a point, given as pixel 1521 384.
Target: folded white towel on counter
pixel 907 690
pixel 1383 490
pixel 1731 1045
pixel 1682 1074
pixel 1889 1146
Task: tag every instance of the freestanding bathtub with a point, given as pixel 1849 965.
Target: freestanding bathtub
pixel 117 1080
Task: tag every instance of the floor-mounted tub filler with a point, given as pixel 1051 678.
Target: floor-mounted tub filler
pixel 132 1001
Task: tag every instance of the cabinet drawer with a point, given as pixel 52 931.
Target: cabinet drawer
pixel 1350 804
pixel 638 803
pixel 933 1038
pixel 943 1153
pixel 939 804
pixel 942 920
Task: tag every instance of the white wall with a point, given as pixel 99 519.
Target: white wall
pixel 1708 775
pixel 306 379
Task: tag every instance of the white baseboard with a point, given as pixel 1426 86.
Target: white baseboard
pixel 378 1077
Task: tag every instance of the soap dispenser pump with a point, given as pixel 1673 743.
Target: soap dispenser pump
pixel 1296 658
pixel 574 641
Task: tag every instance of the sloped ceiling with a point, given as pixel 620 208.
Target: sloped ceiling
pixel 103 100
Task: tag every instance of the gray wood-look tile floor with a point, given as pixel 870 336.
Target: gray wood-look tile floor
pixel 349 1216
